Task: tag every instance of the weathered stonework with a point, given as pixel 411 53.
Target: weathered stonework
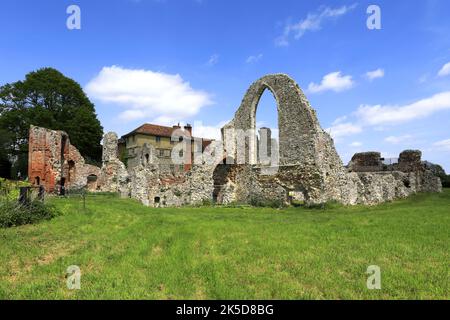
pixel 307 169
pixel 309 165
pixel 410 161
pixel 114 176
pixel 54 163
pixel 366 162
pixel 308 161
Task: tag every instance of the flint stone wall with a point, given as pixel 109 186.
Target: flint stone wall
pixel 309 166
pixel 410 161
pixel 114 176
pixel 306 150
pixel 366 162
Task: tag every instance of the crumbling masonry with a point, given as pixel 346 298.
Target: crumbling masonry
pixel 308 169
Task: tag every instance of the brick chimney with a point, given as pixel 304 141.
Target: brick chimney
pixel 188 128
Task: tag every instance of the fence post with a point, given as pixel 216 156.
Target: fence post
pixel 41 193
pixel 84 199
pixel 24 196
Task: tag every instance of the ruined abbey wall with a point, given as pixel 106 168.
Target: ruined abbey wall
pixel 309 165
pixel 53 162
pixel 308 168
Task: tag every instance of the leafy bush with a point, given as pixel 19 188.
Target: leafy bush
pixel 446 181
pixel 258 202
pixel 14 214
pixel 297 203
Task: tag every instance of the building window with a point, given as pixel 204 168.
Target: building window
pixel 158 139
pixel 163 153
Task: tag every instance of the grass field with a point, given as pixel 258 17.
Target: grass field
pixel 127 251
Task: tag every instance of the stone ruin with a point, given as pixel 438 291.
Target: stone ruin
pixel 56 164
pixel 307 169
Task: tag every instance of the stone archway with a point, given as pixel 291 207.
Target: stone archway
pixel 307 157
pixel 297 121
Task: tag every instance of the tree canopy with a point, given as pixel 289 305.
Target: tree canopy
pixel 47 98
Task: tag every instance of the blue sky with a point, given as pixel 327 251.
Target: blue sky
pixel 167 61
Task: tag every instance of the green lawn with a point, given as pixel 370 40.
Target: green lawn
pixel 127 251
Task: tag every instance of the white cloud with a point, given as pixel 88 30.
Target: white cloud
pixel 355 144
pixel 340 120
pixel 445 70
pixel 443 145
pixel 334 81
pixel 147 94
pixel 208 131
pixel 380 116
pixel 372 75
pixel 398 139
pixel 313 22
pixel 383 115
pixel 213 60
pixel 254 59
pixel 389 155
pixel 344 129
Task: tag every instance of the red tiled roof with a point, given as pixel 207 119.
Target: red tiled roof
pixel 155 130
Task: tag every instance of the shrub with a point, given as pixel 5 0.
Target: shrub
pixel 275 203
pixel 445 181
pixel 297 203
pixel 332 204
pixel 14 214
pixel 206 203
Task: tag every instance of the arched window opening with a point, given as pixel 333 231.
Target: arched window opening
pixel 92 182
pixel 267 132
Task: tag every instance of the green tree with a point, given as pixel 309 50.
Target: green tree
pixel 47 98
pixel 5 164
